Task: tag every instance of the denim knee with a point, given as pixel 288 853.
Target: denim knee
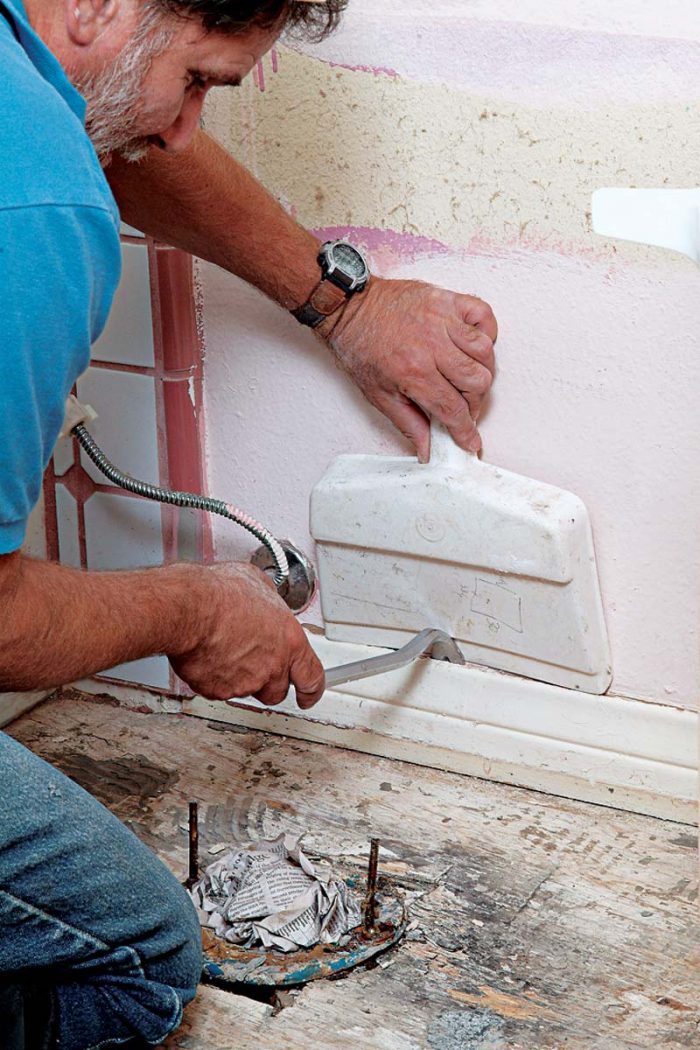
pixel 179 959
pixel 138 990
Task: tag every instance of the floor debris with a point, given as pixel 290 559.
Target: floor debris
pixel 577 924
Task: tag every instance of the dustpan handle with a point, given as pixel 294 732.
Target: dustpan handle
pixel 443 449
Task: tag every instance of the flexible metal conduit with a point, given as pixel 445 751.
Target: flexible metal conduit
pixel 186 499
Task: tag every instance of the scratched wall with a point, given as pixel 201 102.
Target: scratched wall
pixel 463 148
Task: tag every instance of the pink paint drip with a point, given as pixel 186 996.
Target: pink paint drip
pixel 376 71
pixel 274 59
pixel 260 79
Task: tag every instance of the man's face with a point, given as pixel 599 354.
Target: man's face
pixel 152 92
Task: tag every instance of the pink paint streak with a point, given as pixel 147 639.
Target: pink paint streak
pixel 274 59
pixel 530 64
pixel 260 78
pixel 384 242
pixel 376 71
pixel 387 248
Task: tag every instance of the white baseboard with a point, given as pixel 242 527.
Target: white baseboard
pixel 609 750
pixel 12 705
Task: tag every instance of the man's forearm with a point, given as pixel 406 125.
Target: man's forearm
pixel 59 624
pixel 204 201
pixel 224 627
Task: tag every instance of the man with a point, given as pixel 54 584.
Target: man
pixel 99 946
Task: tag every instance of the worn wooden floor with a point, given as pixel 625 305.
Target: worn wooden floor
pixel 542 923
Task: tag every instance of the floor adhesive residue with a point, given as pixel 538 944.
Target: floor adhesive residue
pixel 466 1028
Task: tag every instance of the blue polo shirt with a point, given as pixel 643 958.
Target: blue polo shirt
pixel 59 259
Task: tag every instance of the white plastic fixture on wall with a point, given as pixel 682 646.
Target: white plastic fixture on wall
pixel 662 218
pixel 501 562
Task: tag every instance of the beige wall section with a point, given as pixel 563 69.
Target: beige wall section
pixel 463 148
pixel 348 148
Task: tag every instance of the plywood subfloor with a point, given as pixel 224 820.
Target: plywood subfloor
pixel 541 923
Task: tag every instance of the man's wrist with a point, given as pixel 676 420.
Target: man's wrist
pixel 335 322
pixel 343 275
pixel 325 300
pixel 188 603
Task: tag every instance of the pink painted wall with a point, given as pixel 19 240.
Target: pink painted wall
pixel 463 149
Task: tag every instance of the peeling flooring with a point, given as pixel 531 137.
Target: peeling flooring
pixel 540 923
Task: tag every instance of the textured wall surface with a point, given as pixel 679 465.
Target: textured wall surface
pixel 463 149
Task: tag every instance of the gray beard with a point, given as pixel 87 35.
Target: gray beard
pixel 114 96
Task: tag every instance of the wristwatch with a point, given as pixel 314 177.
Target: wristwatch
pixel 344 273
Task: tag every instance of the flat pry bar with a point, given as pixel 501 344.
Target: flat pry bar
pixel 437 644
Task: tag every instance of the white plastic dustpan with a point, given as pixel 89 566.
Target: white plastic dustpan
pixel 502 563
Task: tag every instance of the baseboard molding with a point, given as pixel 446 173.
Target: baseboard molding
pixel 608 750
pixel 12 705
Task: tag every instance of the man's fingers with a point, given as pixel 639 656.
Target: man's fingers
pixel 473 343
pixel 274 692
pixel 308 678
pixel 409 420
pixel 479 314
pixel 471 379
pixel 439 400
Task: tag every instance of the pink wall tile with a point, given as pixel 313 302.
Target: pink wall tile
pixel 153 671
pixel 130 231
pixel 128 336
pixel 122 532
pixel 68 528
pixel 63 456
pixel 126 427
pixel 150 425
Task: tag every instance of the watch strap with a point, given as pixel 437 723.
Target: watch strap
pixel 326 298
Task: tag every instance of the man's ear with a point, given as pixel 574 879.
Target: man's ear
pixel 86 19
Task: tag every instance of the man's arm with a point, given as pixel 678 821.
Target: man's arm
pixel 415 351
pixel 224 628
pixel 206 203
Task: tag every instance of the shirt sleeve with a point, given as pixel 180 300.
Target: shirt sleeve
pixel 59 266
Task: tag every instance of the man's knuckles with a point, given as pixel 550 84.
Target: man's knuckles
pixel 477 312
pixel 477 341
pixel 478 382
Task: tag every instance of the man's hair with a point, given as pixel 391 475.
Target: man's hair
pixel 312 20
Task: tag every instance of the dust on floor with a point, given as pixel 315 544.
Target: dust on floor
pixel 541 923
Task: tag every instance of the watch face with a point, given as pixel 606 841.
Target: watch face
pixel 349 260
pixel 344 265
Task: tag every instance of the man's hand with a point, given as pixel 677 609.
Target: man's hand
pixel 247 642
pixel 225 629
pixel 416 352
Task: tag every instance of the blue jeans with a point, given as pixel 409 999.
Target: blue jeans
pixel 88 913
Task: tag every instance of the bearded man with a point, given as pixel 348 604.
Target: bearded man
pixel 99 945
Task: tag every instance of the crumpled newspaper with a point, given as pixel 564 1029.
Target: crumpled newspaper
pixel 268 894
